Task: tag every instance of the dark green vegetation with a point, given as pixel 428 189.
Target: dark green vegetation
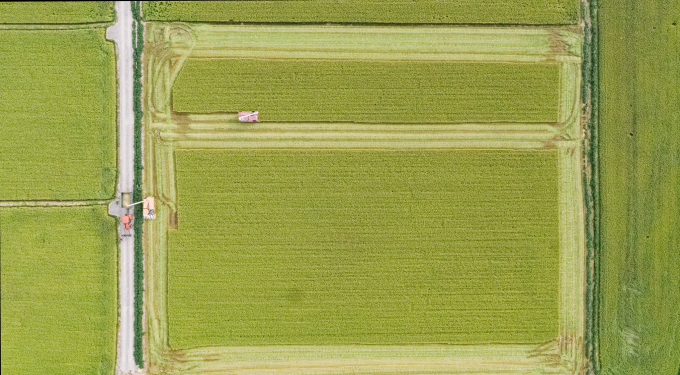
pixel 369 91
pixel 591 185
pixel 58 115
pixel 368 11
pixel 59 290
pixel 378 247
pixel 137 193
pixel 640 187
pixel 56 12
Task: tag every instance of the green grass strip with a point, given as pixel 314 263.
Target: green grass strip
pixel 59 290
pixel 368 91
pixel 533 12
pixel 56 12
pixel 137 193
pixel 589 96
pixel 374 247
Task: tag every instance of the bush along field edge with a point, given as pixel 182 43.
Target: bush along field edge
pixel 589 97
pixel 138 43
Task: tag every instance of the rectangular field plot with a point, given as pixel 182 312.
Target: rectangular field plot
pixel 371 91
pixel 54 12
pixel 368 11
pixel 58 115
pixel 364 247
pixel 59 289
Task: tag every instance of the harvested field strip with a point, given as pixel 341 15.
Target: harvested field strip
pixel 58 115
pixel 386 43
pixel 56 12
pixel 316 247
pixel 366 91
pixel 369 359
pixel 59 290
pixel 351 135
pixel 639 138
pixel 373 11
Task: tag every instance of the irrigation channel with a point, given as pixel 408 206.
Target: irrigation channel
pixel 121 34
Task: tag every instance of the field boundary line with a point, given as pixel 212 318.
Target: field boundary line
pixel 51 203
pixel 55 26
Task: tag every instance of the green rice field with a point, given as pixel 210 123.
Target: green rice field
pixel 59 290
pixel 364 247
pixel 640 188
pixel 58 115
pixel 367 91
pixel 56 12
pixel 533 12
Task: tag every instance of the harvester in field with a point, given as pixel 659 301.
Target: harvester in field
pixel 248 116
pixel 149 208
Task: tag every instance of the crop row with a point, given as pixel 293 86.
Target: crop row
pixel 370 91
pixel 373 11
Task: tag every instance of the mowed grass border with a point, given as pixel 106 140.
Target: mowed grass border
pixel 167 131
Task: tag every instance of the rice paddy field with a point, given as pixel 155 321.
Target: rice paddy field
pixel 367 91
pixel 364 247
pixel 527 12
pixel 59 290
pixel 58 118
pixel 411 201
pixel 56 12
pixel 639 329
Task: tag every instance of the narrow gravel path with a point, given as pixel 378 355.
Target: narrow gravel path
pixel 121 34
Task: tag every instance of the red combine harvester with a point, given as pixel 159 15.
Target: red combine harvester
pixel 248 116
pixel 127 221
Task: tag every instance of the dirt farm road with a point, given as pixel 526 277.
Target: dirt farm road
pixel 121 34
